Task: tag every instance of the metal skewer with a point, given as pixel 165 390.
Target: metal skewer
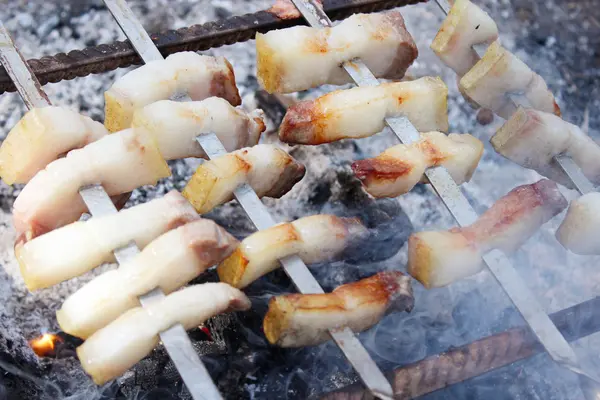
pixel 546 332
pixel 258 213
pixel 175 339
pixel 566 164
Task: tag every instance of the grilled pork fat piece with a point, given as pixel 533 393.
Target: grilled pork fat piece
pixel 74 249
pixel 465 26
pixel 269 170
pixel 299 58
pixel 115 348
pixel 314 239
pixel 120 162
pixel 532 138
pixel 297 320
pixel 500 73
pixel 580 230
pixel 175 125
pixel 360 111
pixel 398 169
pixel 169 262
pixel 186 72
pixel 42 136
pixel 438 258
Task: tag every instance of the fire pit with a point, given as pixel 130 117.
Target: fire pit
pixel 233 347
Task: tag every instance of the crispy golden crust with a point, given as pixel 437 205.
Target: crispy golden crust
pixel 231 270
pixel 305 123
pixel 381 168
pixel 269 68
pixel 117 114
pixel 378 291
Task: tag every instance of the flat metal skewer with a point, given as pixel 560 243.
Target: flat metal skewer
pixel 464 214
pixel 295 268
pixel 566 164
pixel 175 339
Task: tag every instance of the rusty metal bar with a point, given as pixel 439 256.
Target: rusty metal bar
pixel 108 57
pixel 487 354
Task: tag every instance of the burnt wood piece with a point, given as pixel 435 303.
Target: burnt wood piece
pixel 476 358
pixel 108 57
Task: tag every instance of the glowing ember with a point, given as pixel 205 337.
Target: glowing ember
pixel 44 345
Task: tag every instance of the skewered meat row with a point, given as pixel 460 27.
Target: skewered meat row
pixel 297 320
pixel 74 249
pixel 40 137
pixel 580 230
pixel 168 263
pixel 398 169
pixel 361 111
pixel 532 138
pixel 115 348
pixel 269 170
pixel 499 74
pixel 314 239
pixel 186 72
pixel 51 199
pixel 300 58
pixel 465 26
pixel 175 125
pixel 439 258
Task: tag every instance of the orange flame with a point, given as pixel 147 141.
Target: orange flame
pixel 44 345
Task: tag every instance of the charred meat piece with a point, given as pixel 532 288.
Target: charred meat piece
pixel 120 162
pixel 114 349
pixel 187 72
pixel 360 112
pixel 300 58
pixel 532 138
pixel 439 258
pixel 297 320
pixel 42 136
pixel 175 125
pixel 580 230
pixel 74 249
pixel 314 239
pixel 500 74
pixel 465 26
pixel 168 263
pixel 398 169
pixel 269 170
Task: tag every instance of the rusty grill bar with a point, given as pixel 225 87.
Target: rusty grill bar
pixel 108 57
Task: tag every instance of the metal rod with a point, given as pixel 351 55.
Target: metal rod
pixel 498 264
pixel 461 363
pixel 175 339
pixel 359 358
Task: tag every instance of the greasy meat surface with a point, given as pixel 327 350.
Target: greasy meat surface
pixel 314 239
pixel 532 138
pixel 500 73
pixel 120 162
pixel 186 72
pixel 269 170
pixel 299 58
pixel 465 26
pixel 169 262
pixel 42 136
pixel 175 125
pixel 74 249
pixel 360 111
pixel 438 258
pixel 580 230
pixel 114 349
pixel 398 169
pixel 297 320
